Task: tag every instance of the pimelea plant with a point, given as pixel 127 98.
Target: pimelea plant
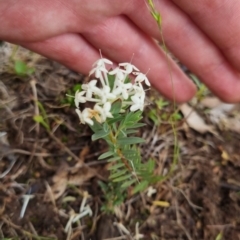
pixel 117 109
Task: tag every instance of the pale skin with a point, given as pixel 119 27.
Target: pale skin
pixel 204 35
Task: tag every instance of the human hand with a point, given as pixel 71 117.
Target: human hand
pixel 204 35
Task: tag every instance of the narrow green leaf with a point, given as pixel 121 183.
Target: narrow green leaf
pixel 117 174
pixel 137 125
pixel 113 159
pixel 105 127
pixel 39 119
pixel 116 166
pixel 114 126
pixel 103 186
pixel 130 140
pixel 151 165
pixel 99 134
pixel 105 155
pixel 140 187
pixel 116 118
pixel 133 117
pixel 131 131
pixel 128 183
pixel 111 80
pixel 122 178
pixel 131 154
pixel 116 106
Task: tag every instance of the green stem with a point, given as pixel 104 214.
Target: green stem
pixel 113 139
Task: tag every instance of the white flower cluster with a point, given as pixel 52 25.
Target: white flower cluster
pixel 131 94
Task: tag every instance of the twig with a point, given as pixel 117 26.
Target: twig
pixel 179 221
pixel 116 238
pixel 24 152
pixel 66 149
pixel 188 200
pixel 35 98
pixel 45 165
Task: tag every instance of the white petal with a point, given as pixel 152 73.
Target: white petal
pixel 80 115
pixel 89 121
pixel 107 106
pixel 128 67
pixel 109 115
pixel 134 108
pixel 120 73
pixel 101 62
pixel 85 115
pixel 105 60
pixel 147 82
pixel 128 85
pixel 92 83
pixel 125 94
pixel 117 91
pixel 98 108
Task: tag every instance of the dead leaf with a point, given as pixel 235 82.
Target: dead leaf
pixel 194 120
pixel 64 176
pixel 210 102
pixel 82 175
pixel 220 112
pixel 59 183
pixel 233 124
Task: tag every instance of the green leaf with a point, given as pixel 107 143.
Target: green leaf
pixel 130 131
pixel 130 140
pixel 117 174
pixel 116 118
pixel 116 166
pixel 116 106
pixel 219 236
pixel 140 187
pixel 39 119
pixel 99 134
pixel 127 80
pixel 122 178
pixel 77 87
pixel 20 67
pixel 111 80
pixel 30 71
pixel 105 127
pixel 133 117
pixel 96 127
pixel 103 186
pixel 150 165
pixel 113 159
pixel 137 125
pixel 130 154
pixel 128 183
pixel 105 155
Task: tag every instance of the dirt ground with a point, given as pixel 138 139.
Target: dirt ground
pixel 56 165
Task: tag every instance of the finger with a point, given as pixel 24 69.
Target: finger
pixel 119 39
pixel 71 50
pixel 220 20
pixel 191 47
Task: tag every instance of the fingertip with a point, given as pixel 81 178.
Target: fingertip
pixel 179 88
pixel 71 50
